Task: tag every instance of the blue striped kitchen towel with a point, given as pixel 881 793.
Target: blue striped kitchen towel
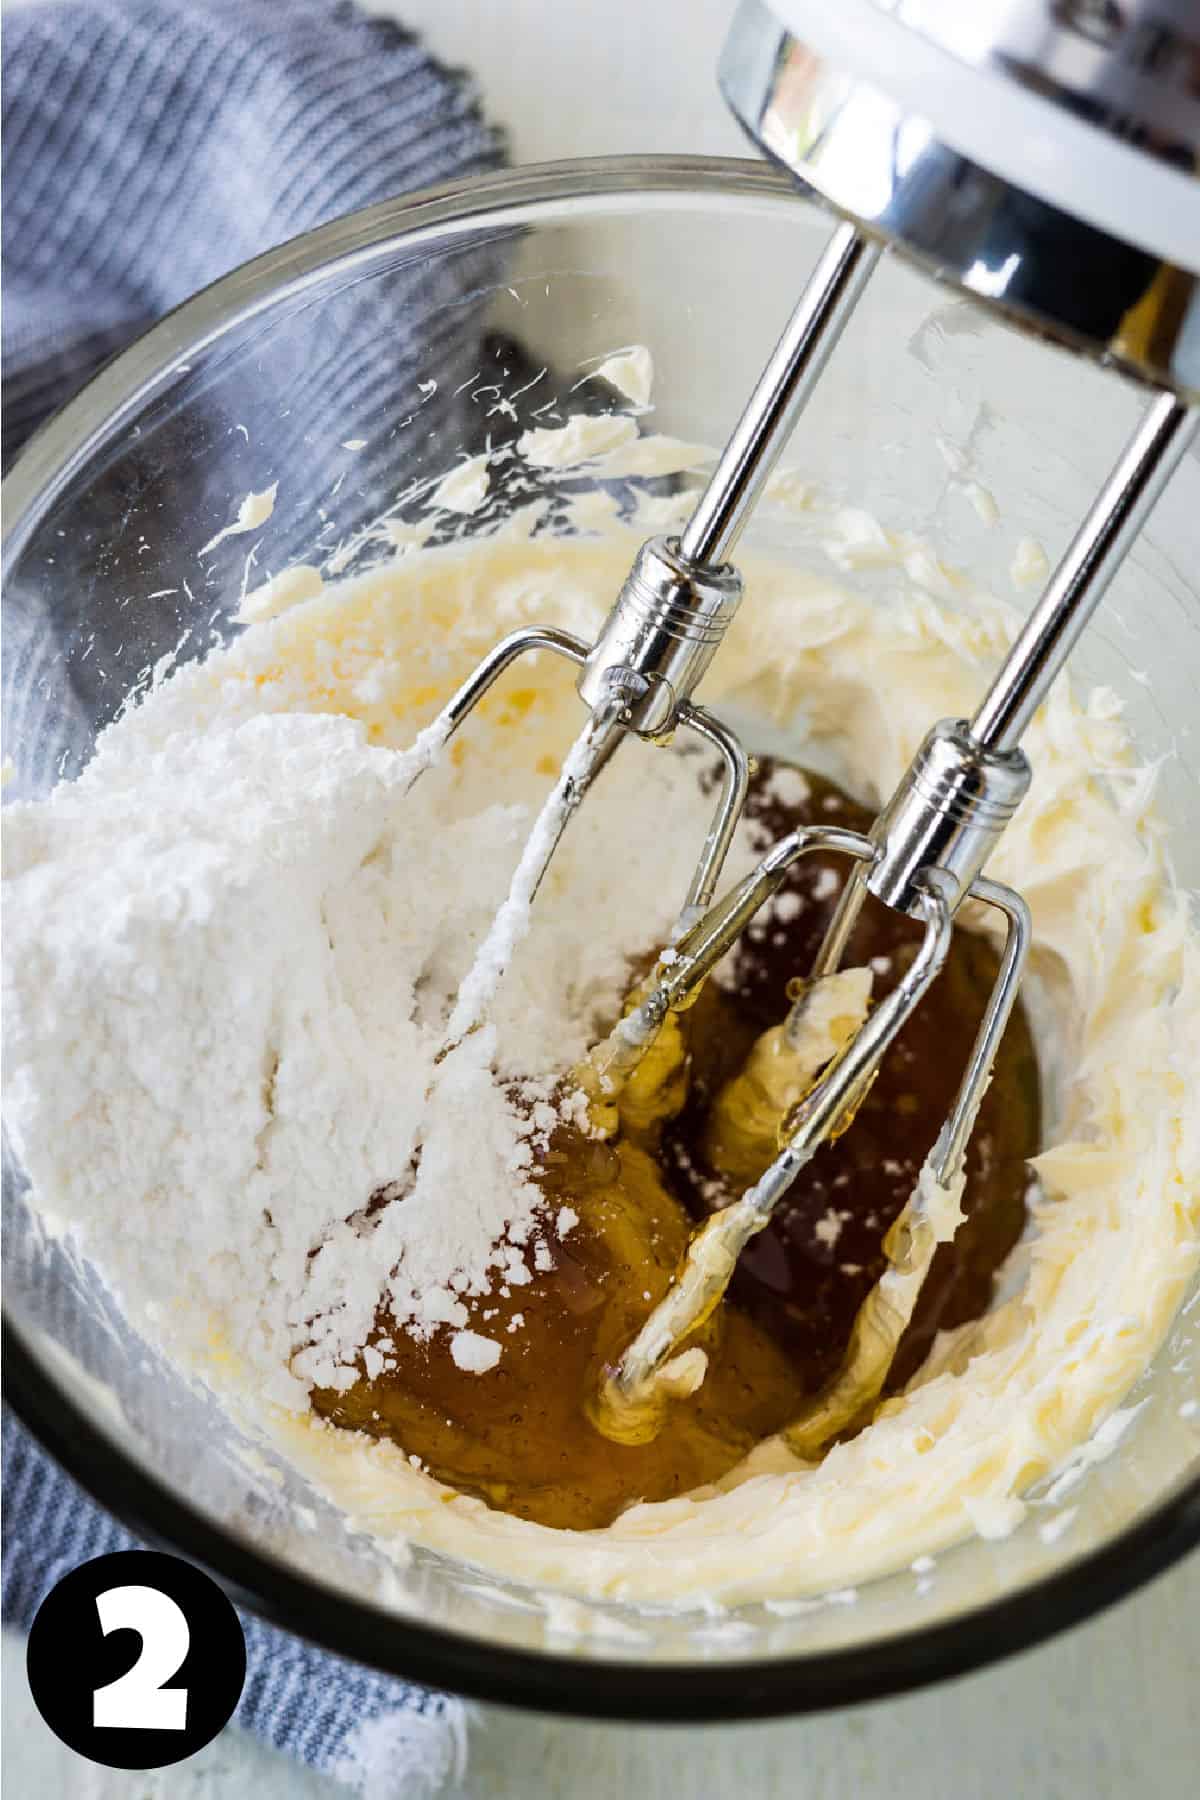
pixel 383 1739
pixel 149 146
pixel 152 145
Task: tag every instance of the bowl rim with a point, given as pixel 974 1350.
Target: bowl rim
pixel 496 199
pixel 614 1688
pixel 617 1689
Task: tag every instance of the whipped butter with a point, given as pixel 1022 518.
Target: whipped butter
pixel 1114 992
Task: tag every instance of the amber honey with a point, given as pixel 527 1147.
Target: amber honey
pixel 518 1436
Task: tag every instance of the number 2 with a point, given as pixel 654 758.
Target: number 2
pixel 137 1701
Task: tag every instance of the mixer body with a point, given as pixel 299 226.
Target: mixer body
pixel 1039 154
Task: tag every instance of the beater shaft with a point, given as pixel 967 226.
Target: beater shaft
pixel 1082 577
pixel 779 397
pixel 681 596
pixel 989 742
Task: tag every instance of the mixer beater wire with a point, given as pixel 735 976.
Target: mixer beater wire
pixel 923 857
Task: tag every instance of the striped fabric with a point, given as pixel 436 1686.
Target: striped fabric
pixel 152 145
pixel 382 1739
pixel 149 146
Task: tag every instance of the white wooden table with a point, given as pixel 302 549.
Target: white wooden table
pixel 1109 1712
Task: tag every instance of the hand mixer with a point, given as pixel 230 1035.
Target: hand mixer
pixel 1040 155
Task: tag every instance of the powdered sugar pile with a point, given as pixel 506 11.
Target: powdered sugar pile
pixel 233 948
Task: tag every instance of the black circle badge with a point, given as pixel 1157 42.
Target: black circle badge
pixel 136 1660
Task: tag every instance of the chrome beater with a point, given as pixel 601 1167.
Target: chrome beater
pixel 924 857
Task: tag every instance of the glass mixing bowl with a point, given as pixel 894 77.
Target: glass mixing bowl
pixel 382 332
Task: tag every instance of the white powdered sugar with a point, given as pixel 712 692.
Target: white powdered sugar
pixel 474 1352
pixel 233 950
pixel 511 924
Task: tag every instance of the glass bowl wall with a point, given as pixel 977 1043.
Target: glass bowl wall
pixel 386 331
